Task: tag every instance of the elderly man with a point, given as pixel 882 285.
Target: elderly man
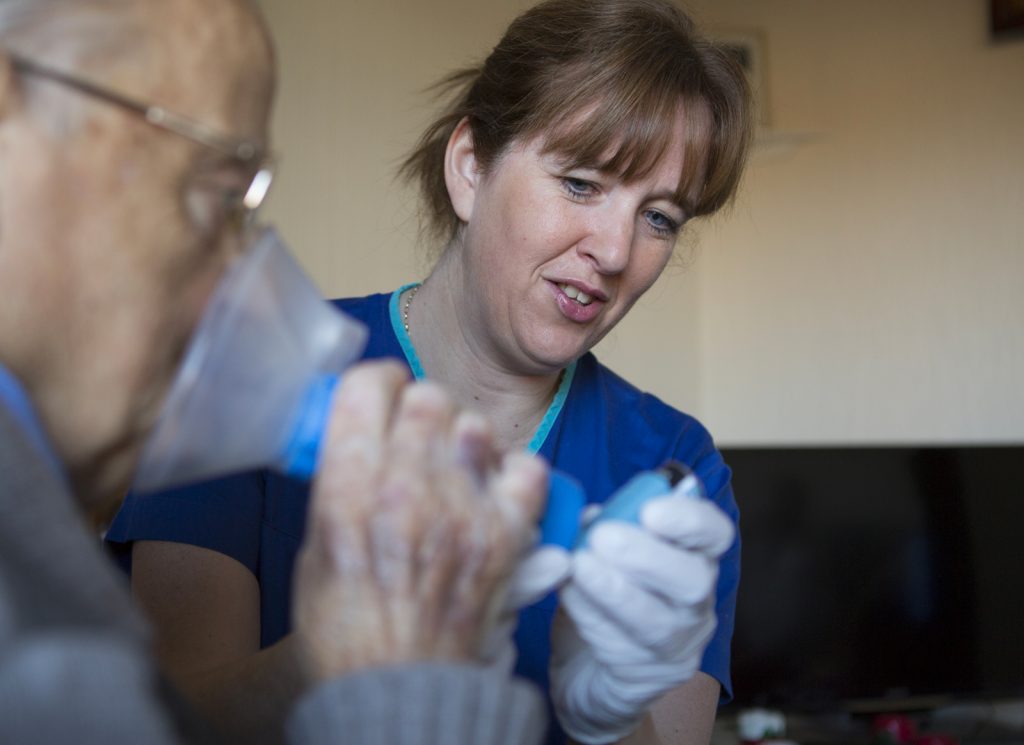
pixel 116 224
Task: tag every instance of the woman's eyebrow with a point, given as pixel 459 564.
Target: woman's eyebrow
pixel 567 162
pixel 684 205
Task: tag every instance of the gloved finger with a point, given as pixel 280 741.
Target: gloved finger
pixel 682 577
pixel 543 570
pixel 593 628
pixel 698 525
pixel 641 617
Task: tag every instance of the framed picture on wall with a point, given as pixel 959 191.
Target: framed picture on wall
pixel 748 48
pixel 1006 18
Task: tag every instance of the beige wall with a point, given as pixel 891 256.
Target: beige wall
pixel 868 285
pixel 871 285
pixel 350 103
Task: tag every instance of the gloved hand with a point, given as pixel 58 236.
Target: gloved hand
pixel 636 615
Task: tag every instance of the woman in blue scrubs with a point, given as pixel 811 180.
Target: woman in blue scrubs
pixel 557 181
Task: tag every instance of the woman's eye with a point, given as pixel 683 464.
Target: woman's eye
pixel 661 223
pixel 577 188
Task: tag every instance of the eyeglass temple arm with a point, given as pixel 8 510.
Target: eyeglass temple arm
pixel 155 115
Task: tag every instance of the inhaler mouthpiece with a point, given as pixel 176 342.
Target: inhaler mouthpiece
pixel 255 385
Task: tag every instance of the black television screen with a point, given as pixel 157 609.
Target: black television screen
pixel 873 574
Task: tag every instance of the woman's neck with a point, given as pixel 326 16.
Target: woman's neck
pixel 458 354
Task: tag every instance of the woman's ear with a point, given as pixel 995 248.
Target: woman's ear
pixel 461 174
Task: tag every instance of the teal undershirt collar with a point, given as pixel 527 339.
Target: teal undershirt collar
pixel 417 370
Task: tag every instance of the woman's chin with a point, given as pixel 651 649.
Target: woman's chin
pixel 552 359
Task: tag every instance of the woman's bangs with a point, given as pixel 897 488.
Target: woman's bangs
pixel 630 137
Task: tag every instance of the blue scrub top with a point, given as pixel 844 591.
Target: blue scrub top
pixel 602 432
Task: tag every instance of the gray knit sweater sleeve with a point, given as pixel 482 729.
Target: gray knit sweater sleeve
pixel 425 704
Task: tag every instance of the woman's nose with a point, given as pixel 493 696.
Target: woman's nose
pixel 610 242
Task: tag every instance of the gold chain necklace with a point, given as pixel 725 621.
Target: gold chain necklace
pixel 405 309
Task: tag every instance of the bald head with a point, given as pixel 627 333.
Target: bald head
pixel 65 31
pixel 225 53
pixel 31 21
pixel 97 37
pixel 112 234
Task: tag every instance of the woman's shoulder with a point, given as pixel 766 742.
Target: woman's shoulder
pixel 620 399
pixel 366 308
pixel 375 312
pixel 642 430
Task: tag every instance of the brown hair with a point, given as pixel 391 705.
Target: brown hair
pixel 597 76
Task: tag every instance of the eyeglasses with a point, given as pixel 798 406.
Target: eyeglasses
pixel 246 152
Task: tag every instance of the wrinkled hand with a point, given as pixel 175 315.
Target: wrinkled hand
pixel 543 570
pixel 636 615
pixel 415 524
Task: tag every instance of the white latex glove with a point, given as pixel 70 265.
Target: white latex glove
pixel 540 572
pixel 636 615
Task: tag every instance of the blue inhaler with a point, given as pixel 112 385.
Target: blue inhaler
pixel 626 503
pixel 566 500
pixel 561 522
pixel 559 525
pixel 298 454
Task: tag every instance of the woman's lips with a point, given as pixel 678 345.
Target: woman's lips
pixel 580 296
pixel 572 308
